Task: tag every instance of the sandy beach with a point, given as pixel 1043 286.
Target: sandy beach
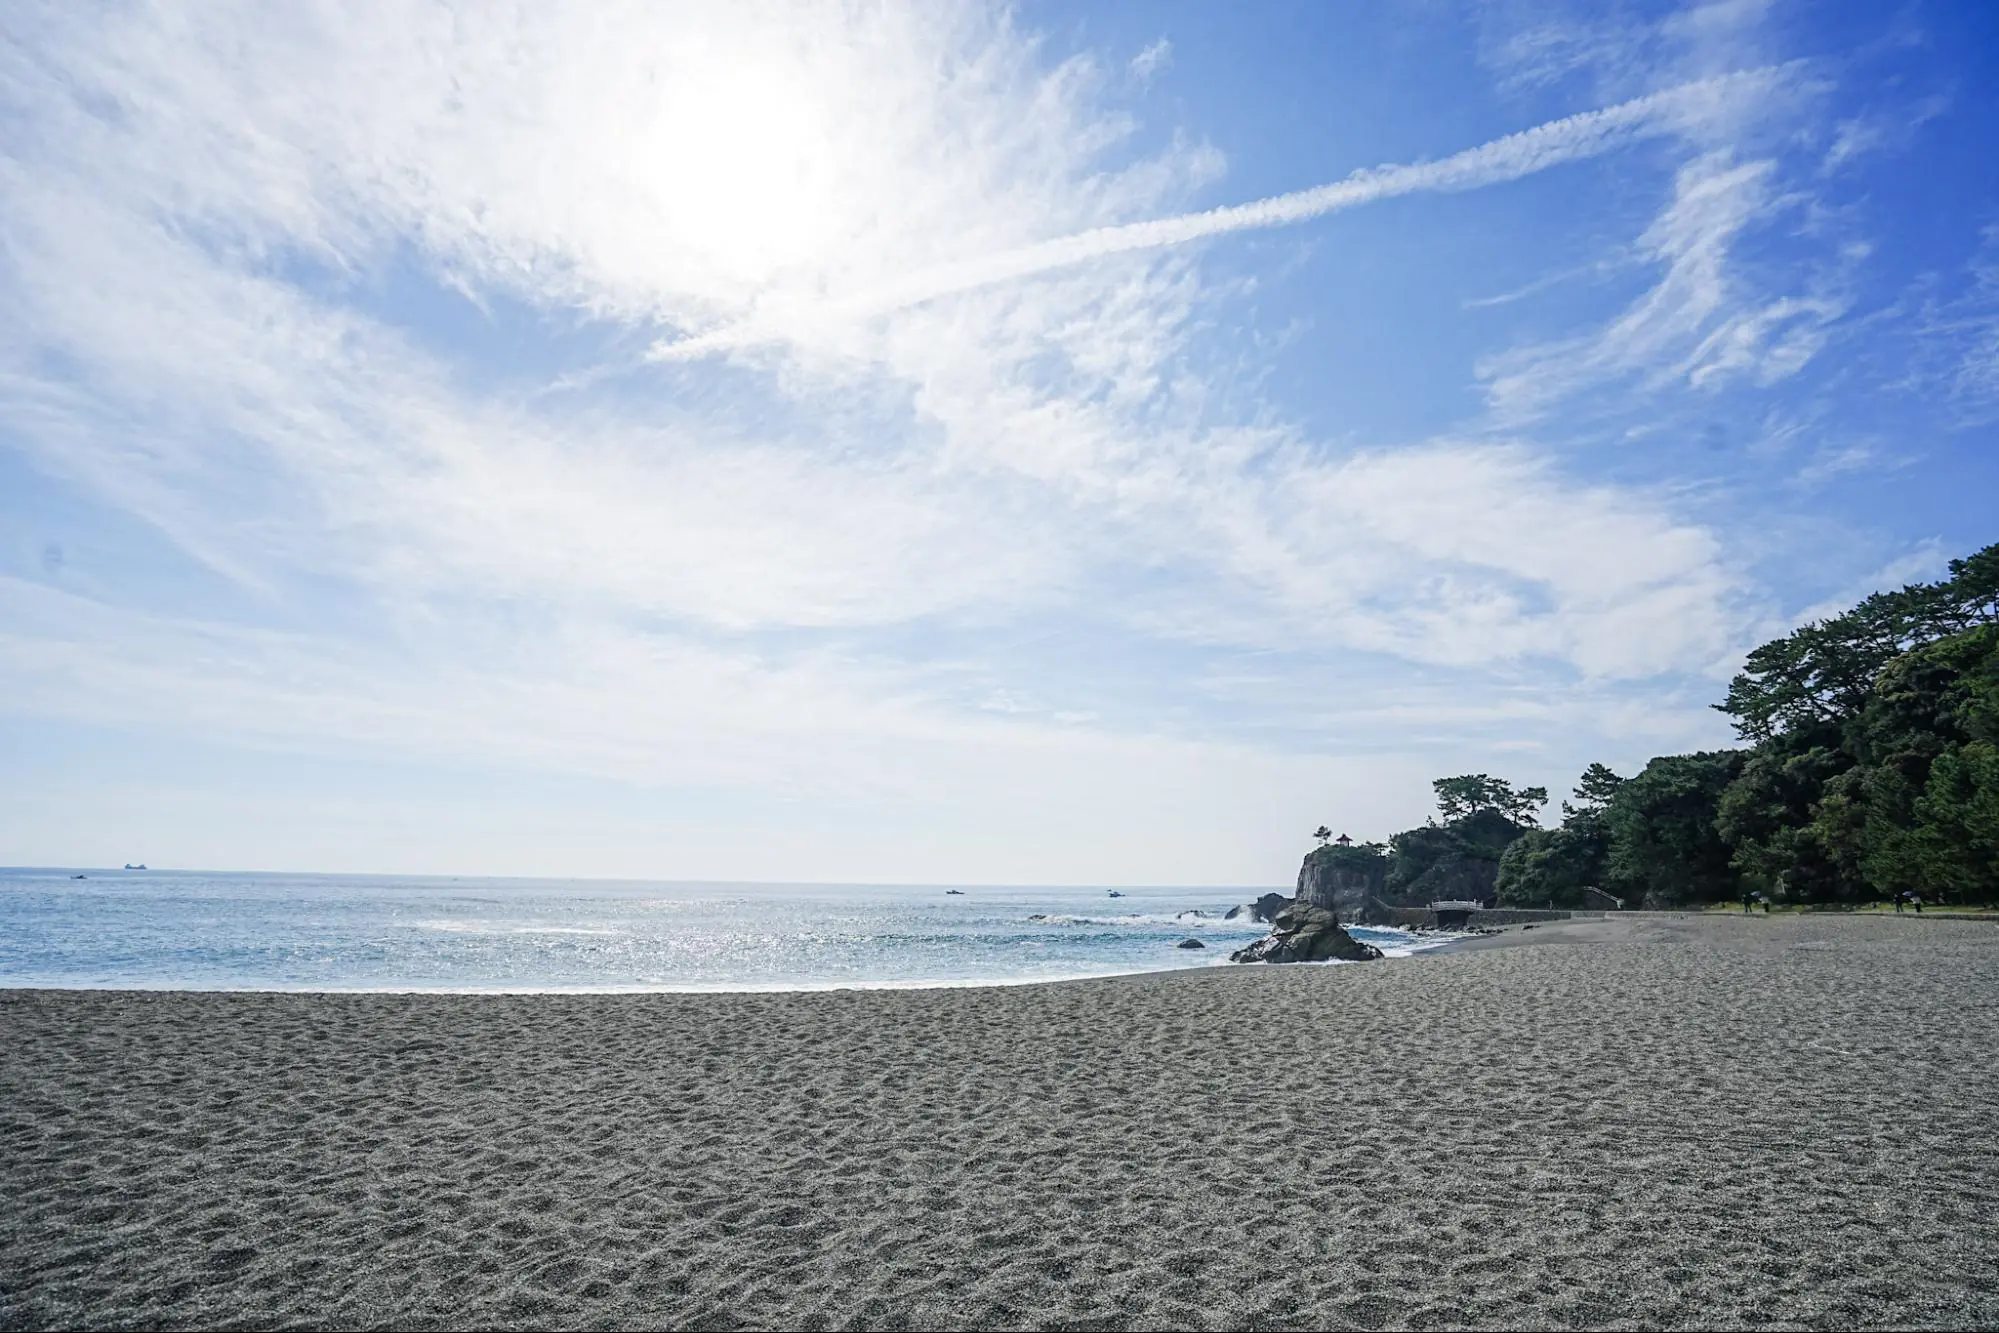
pixel 1659 1122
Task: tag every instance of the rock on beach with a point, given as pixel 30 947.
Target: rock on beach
pixel 1264 908
pixel 1303 933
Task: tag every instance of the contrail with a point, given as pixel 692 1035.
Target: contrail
pixel 1570 139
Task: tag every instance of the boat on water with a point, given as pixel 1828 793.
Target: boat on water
pixel 1116 894
pixel 954 893
pixel 140 866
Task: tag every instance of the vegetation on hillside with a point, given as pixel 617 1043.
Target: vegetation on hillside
pixel 1457 855
pixel 1870 769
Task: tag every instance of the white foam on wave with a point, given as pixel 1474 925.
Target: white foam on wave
pixel 672 988
pixel 1396 943
pixel 1417 944
pixel 1180 920
pixel 511 928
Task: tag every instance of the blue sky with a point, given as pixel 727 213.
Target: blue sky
pixel 943 443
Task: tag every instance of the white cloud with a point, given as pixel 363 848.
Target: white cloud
pixel 1701 324
pixel 1967 328
pixel 1023 797
pixel 1617 53
pixel 1019 395
pixel 1714 317
pixel 961 384
pixel 787 317
pixel 1154 59
pixel 1472 553
pixel 1926 561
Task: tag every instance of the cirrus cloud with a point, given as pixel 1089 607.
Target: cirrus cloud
pixel 834 344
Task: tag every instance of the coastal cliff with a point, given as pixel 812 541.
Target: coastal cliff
pixel 1346 880
pixel 1338 881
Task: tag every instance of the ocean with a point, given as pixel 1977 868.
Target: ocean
pixel 201 930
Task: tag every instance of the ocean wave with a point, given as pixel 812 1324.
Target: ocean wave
pixel 1179 920
pixel 645 987
pixel 1395 942
pixel 511 928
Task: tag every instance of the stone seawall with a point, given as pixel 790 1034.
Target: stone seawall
pixel 1410 917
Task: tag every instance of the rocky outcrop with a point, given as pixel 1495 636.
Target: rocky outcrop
pixel 1346 880
pixel 1304 933
pixel 1265 908
pixel 1190 943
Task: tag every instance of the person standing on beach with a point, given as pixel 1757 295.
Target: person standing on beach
pixel 1748 897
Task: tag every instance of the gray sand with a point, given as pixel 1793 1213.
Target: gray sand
pixel 1663 1123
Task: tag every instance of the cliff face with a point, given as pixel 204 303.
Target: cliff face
pixel 1353 881
pixel 1344 880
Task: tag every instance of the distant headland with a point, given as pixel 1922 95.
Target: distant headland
pixel 1870 773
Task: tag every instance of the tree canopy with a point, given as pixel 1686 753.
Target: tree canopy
pixel 1870 768
pixel 1825 672
pixel 1460 798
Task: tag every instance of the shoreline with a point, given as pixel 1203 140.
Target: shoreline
pixel 345 936
pixel 728 988
pixel 692 988
pixel 1695 1124
pixel 773 988
pixel 1591 927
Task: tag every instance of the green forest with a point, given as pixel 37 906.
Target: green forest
pixel 1869 769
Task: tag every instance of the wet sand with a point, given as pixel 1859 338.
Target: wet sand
pixel 1659 1122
